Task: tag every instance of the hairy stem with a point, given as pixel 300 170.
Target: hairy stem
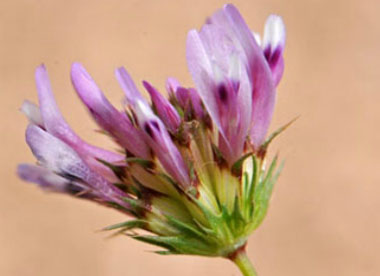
pixel 241 259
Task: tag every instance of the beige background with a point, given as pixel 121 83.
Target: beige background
pixel 324 218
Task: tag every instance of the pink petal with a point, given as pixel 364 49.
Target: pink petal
pixel 218 64
pixel 154 130
pixel 52 182
pixel 60 158
pixel 107 116
pixel 196 103
pixel 159 140
pixel 274 44
pixel 132 94
pixel 171 85
pixel 57 126
pixel 263 94
pixel 165 110
pixel 201 71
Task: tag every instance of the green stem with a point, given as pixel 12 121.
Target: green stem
pixel 244 264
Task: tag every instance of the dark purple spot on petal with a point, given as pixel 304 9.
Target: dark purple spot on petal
pixel 70 176
pixel 73 189
pixel 272 57
pixel 275 56
pixel 148 130
pixel 268 53
pixel 156 126
pixel 223 94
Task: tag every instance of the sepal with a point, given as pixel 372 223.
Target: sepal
pixel 263 193
pixel 127 225
pixel 263 148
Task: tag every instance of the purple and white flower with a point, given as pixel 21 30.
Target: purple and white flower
pixel 190 168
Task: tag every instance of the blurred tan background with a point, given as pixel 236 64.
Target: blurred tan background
pixel 324 217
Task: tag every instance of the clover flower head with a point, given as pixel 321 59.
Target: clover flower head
pixel 191 167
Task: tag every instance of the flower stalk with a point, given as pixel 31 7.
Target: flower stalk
pixel 243 263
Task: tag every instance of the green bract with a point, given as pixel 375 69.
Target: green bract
pixel 216 218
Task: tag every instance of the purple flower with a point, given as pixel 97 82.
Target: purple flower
pixel 156 135
pixel 273 46
pixel 190 167
pixel 164 109
pixel 234 78
pixel 116 123
pixel 54 124
pixel 56 156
